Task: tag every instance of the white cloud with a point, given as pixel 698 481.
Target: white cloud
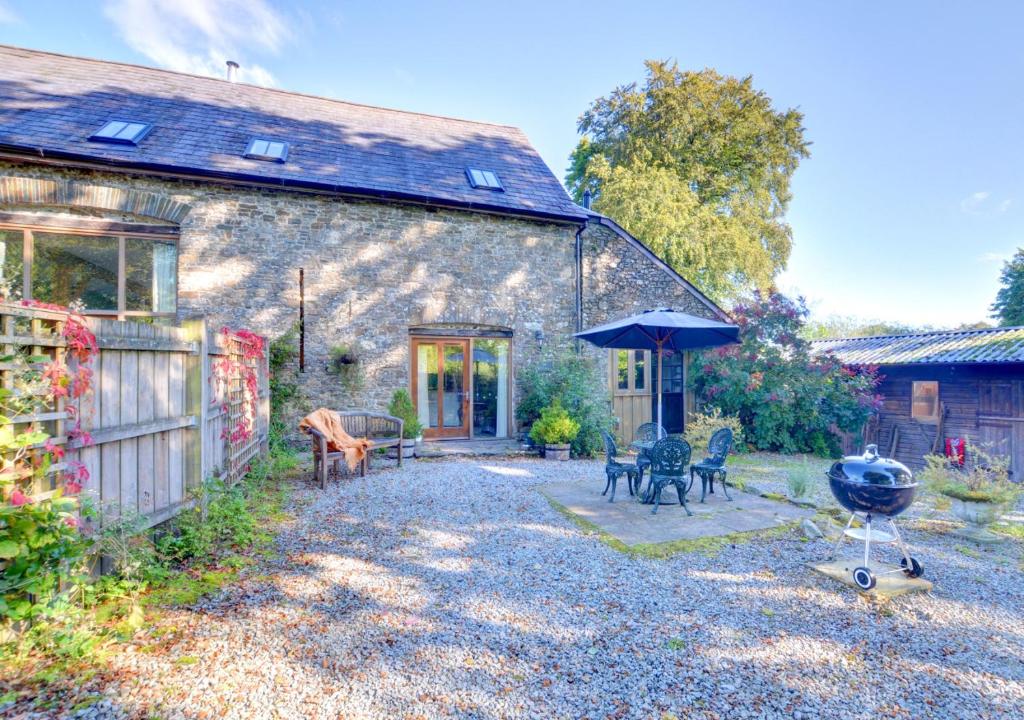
pixel 973 202
pixel 7 16
pixel 199 36
pixel 982 203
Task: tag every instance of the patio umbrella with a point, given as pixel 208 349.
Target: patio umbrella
pixel 660 330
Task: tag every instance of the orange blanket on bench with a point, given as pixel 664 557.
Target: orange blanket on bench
pixel 328 423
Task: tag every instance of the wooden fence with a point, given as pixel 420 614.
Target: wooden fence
pixel 161 411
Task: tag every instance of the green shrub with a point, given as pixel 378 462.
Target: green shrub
pixel 983 477
pixel 800 478
pixel 554 427
pixel 284 385
pixel 576 382
pixel 401 407
pixel 701 426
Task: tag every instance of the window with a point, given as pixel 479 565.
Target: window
pixel 115 274
pixel 271 150
pixel 484 179
pixel 630 371
pixel 925 401
pixel 122 132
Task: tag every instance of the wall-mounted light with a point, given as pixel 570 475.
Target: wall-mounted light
pixel 538 335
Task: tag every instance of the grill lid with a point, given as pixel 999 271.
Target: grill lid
pixel 871 469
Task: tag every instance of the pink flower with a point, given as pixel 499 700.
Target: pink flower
pixel 19 498
pixel 72 488
pixel 71 521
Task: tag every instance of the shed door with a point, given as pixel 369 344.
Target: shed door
pixel 1001 420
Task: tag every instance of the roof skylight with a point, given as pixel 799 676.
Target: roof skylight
pixel 485 179
pixel 271 150
pixel 123 132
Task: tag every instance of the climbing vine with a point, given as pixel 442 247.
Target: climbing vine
pixel 41 535
pixel 240 366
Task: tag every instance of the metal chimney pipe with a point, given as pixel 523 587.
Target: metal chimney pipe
pixel 232 71
pixel 586 199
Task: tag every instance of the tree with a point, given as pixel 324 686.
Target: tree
pixel 786 398
pixel 846 326
pixel 1008 308
pixel 697 165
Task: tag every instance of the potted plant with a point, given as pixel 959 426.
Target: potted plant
pixel 401 406
pixel 979 490
pixel 555 430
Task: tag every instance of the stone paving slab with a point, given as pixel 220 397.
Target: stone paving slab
pixel 888 585
pixel 633 524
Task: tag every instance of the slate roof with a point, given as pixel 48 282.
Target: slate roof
pixel 993 346
pixel 50 104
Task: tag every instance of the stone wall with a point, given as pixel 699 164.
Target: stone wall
pixel 619 280
pixel 372 270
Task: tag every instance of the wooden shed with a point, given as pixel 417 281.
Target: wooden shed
pixel 955 384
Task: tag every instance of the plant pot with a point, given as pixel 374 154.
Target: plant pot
pixel 978 516
pixel 556 452
pixel 407 448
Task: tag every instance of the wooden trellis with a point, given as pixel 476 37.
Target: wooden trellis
pixel 155 433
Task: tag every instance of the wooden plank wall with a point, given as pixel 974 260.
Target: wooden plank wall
pixel 136 417
pixel 154 413
pixel 980 404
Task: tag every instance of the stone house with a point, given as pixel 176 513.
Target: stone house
pixel 430 253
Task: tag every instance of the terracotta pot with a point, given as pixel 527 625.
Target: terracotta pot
pixel 556 452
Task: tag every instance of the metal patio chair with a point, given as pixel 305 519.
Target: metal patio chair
pixel 714 464
pixel 614 469
pixel 669 459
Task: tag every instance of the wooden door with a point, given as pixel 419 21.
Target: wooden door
pixel 440 386
pixel 629 378
pixel 1001 420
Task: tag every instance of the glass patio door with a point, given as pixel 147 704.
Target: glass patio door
pixel 441 387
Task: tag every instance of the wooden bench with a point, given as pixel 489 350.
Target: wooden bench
pixel 383 430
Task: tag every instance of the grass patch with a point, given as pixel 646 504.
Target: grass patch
pixel 1012 530
pixel 969 552
pixel 708 546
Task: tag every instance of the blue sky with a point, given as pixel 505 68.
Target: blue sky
pixel 910 201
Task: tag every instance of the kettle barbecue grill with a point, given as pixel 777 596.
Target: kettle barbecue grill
pixel 869 487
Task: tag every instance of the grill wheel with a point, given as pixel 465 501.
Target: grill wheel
pixel 864 578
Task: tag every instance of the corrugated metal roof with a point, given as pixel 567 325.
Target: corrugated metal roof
pixel 996 345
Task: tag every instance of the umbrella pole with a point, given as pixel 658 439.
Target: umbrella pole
pixel 660 385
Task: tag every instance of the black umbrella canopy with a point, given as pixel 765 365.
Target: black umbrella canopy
pixel 665 329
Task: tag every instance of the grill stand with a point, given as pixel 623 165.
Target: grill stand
pixel 863 576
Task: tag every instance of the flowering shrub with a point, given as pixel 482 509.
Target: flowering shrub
pixel 252 346
pixel 41 542
pixel 785 398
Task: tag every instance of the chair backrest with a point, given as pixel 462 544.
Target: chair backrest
pixel 719 446
pixel 670 457
pixel 609 446
pixel 649 432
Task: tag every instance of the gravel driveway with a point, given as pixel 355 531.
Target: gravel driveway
pixel 453 590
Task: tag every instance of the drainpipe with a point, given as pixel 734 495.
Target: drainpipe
pixel 579 281
pixel 579 270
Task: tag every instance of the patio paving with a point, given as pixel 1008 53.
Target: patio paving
pixel 633 524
